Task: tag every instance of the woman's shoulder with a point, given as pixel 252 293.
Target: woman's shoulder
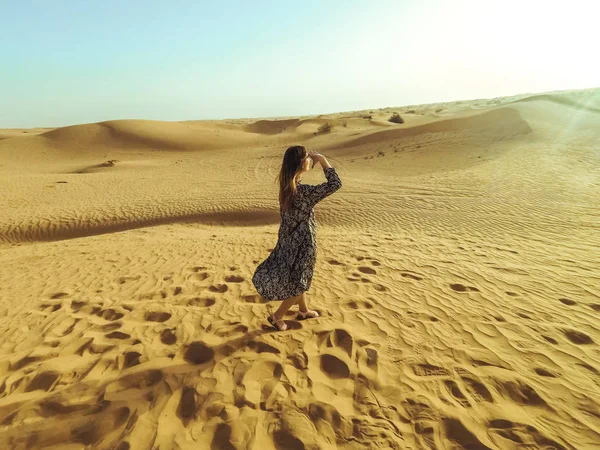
pixel 302 191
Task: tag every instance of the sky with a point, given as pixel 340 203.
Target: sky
pixel 69 62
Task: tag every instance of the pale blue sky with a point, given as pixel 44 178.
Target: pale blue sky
pixel 68 62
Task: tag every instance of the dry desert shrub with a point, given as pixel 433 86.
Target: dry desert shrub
pixel 396 118
pixel 325 128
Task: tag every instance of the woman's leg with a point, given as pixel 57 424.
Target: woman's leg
pixel 305 313
pixel 302 304
pixel 285 305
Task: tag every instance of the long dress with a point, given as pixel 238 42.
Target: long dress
pixel 288 270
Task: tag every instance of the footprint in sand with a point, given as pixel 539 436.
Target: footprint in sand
pixel 43 381
pixel 200 273
pixel 334 262
pixel 456 393
pixel 162 294
pixel 225 328
pixel 234 279
pixel 222 436
pixel 334 367
pixel 96 348
pixel 200 276
pixel 157 316
pixel 477 390
pixel 550 339
pixel 186 410
pixel 220 288
pixel 49 307
pixel 338 338
pixel 372 358
pixel 118 335
pixel 455 431
pixel 77 305
pixel 520 392
pixel 140 380
pixel 367 270
pixel 110 314
pixel 567 301
pixel 58 295
pixel 109 327
pixel 202 302
pixel 412 276
pixel 577 337
pixel 524 344
pixel 25 361
pixel 359 304
pixel 255 384
pixel 338 349
pixel 262 347
pixel 254 298
pixel 544 373
pixel 124 280
pixel 131 359
pixel 429 370
pixel 462 288
pixel 198 353
pixel 590 368
pixel 167 337
pixel 65 327
pixel 518 432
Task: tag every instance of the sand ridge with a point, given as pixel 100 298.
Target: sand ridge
pixel 456 277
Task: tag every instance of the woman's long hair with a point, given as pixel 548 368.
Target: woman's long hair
pixel 291 166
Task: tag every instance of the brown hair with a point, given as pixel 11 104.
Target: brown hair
pixel 291 166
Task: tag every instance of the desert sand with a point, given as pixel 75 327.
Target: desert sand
pixel 458 278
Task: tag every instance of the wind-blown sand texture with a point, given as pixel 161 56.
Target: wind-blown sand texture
pixel 458 278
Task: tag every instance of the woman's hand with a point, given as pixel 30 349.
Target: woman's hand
pixel 316 156
pixel 320 158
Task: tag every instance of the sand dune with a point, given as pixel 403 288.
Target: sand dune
pixel 584 100
pixel 308 127
pixel 144 134
pixel 457 278
pixel 500 124
pixel 272 126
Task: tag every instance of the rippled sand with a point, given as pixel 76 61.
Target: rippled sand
pixel 458 279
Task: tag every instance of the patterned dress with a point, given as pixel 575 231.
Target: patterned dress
pixel 288 270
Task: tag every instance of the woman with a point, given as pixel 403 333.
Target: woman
pixel 287 273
